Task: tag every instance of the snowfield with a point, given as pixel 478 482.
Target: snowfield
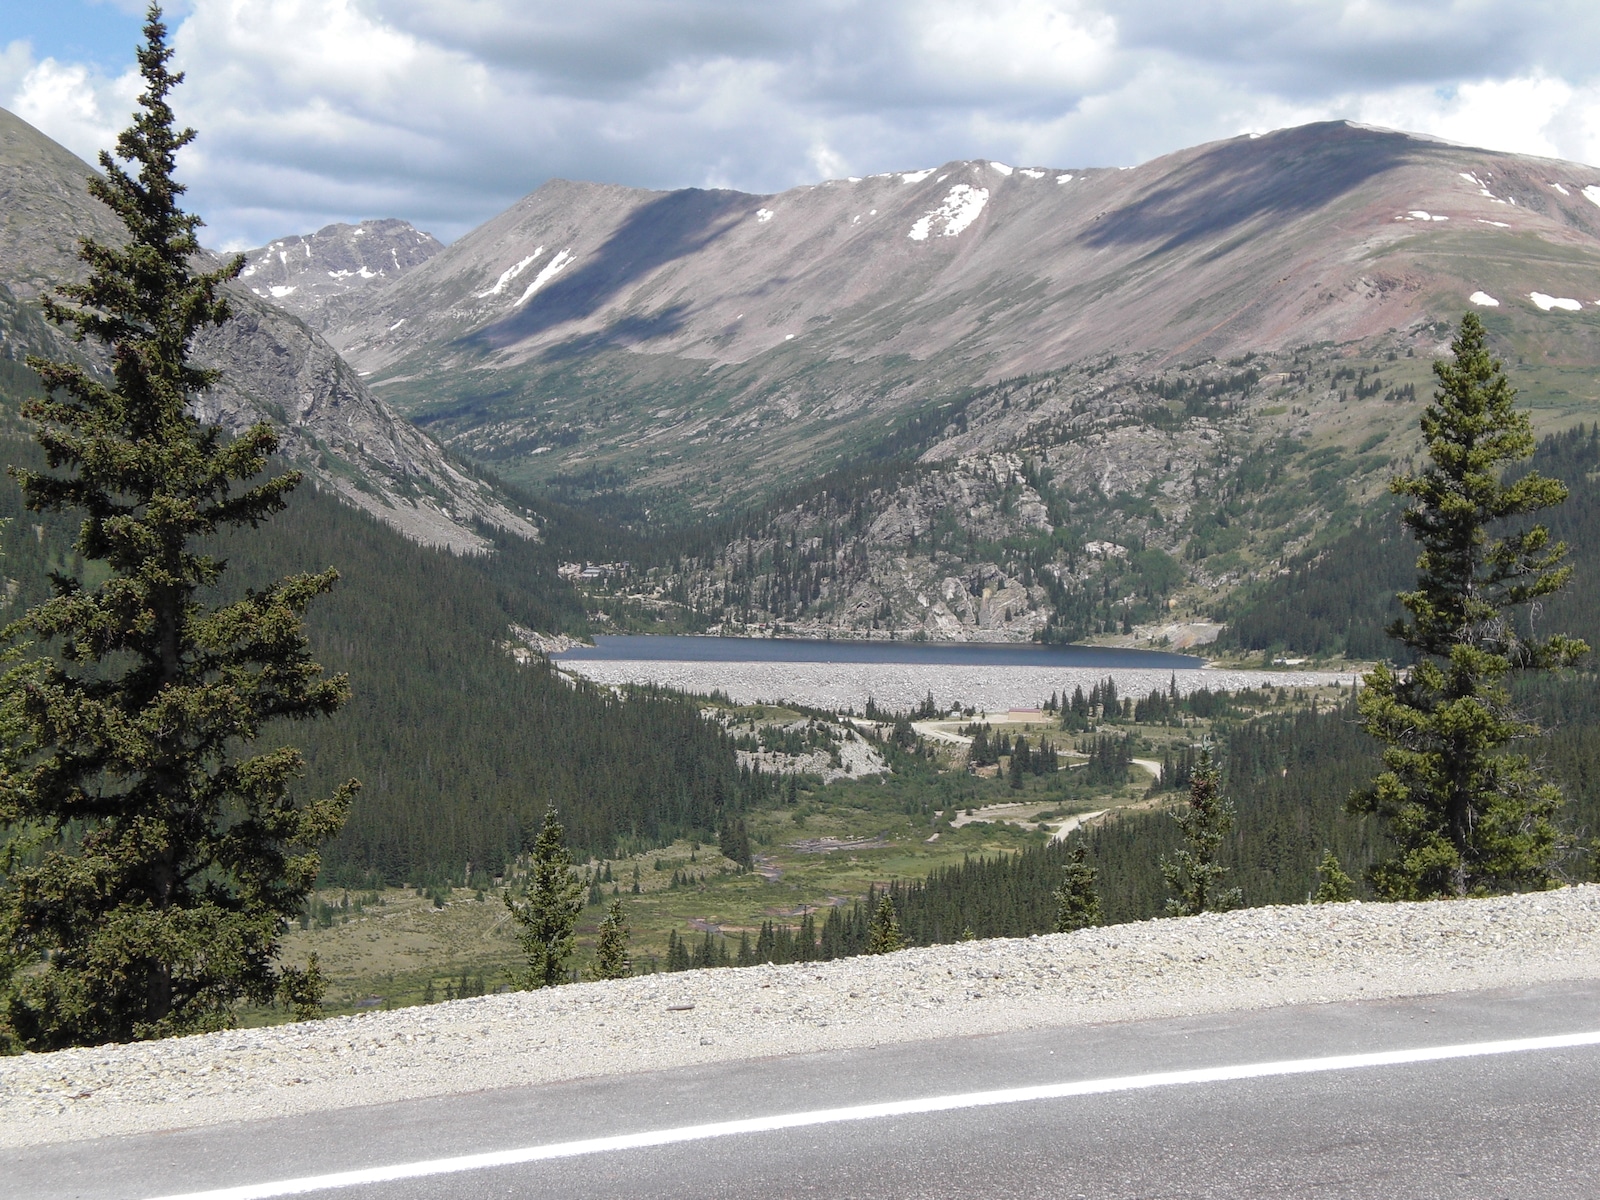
pixel 960 209
pixel 1545 303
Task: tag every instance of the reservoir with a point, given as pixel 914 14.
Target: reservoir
pixel 666 648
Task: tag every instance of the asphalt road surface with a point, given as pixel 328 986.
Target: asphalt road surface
pixel 1171 1108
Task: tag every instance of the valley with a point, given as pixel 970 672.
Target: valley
pixel 814 851
pixel 1153 409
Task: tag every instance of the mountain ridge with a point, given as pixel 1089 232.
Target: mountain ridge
pixel 275 366
pixel 303 273
pixel 712 344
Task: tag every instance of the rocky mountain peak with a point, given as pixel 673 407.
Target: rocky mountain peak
pixel 302 272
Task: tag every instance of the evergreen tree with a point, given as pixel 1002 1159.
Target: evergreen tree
pixel 1019 762
pixel 1333 885
pixel 1193 871
pixel 545 917
pixel 733 841
pixel 611 949
pixel 677 952
pixel 1077 902
pixel 166 865
pixel 884 935
pixel 1468 816
pixel 978 755
pixel 303 989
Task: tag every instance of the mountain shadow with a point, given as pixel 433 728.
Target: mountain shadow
pixel 672 226
pixel 1281 175
pixel 629 331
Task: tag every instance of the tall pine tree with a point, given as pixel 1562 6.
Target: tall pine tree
pixel 1194 872
pixel 163 865
pixel 547 915
pixel 1077 902
pixel 1469 816
pixel 883 937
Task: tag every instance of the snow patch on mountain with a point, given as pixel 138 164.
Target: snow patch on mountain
pixel 1545 303
pixel 1483 300
pixel 556 265
pixel 1592 194
pixel 960 209
pixel 510 273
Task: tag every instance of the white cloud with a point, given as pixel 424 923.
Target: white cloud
pixel 16 60
pixel 74 105
pixel 1013 45
pixel 1535 114
pixel 445 111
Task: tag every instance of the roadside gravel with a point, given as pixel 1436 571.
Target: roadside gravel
pixel 1255 958
pixel 900 686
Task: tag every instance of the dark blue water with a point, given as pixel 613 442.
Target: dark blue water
pixel 665 648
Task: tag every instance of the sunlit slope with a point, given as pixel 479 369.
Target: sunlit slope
pixel 715 340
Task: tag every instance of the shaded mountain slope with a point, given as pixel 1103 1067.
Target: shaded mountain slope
pixel 275 367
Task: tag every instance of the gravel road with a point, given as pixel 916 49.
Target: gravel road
pixel 1255 958
pixel 900 686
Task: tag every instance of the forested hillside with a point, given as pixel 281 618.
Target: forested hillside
pixel 1341 599
pixel 457 747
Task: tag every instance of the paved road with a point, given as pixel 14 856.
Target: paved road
pixel 1515 1125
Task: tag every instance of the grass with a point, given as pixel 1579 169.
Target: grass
pixel 395 947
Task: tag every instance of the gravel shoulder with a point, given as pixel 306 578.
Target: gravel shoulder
pixel 1256 958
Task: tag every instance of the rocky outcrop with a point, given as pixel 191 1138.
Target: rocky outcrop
pixel 274 366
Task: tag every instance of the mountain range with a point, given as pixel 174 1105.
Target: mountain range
pixel 972 401
pixel 712 344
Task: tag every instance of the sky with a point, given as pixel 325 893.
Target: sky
pixel 444 112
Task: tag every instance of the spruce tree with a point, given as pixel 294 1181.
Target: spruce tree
pixel 1468 816
pixel 165 859
pixel 677 952
pixel 978 755
pixel 547 915
pixel 303 989
pixel 611 948
pixel 1333 885
pixel 884 935
pixel 1193 871
pixel 1077 902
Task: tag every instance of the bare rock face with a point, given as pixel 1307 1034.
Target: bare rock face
pixel 274 366
pixel 303 273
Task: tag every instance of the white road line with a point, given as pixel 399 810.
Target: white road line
pixel 893 1108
